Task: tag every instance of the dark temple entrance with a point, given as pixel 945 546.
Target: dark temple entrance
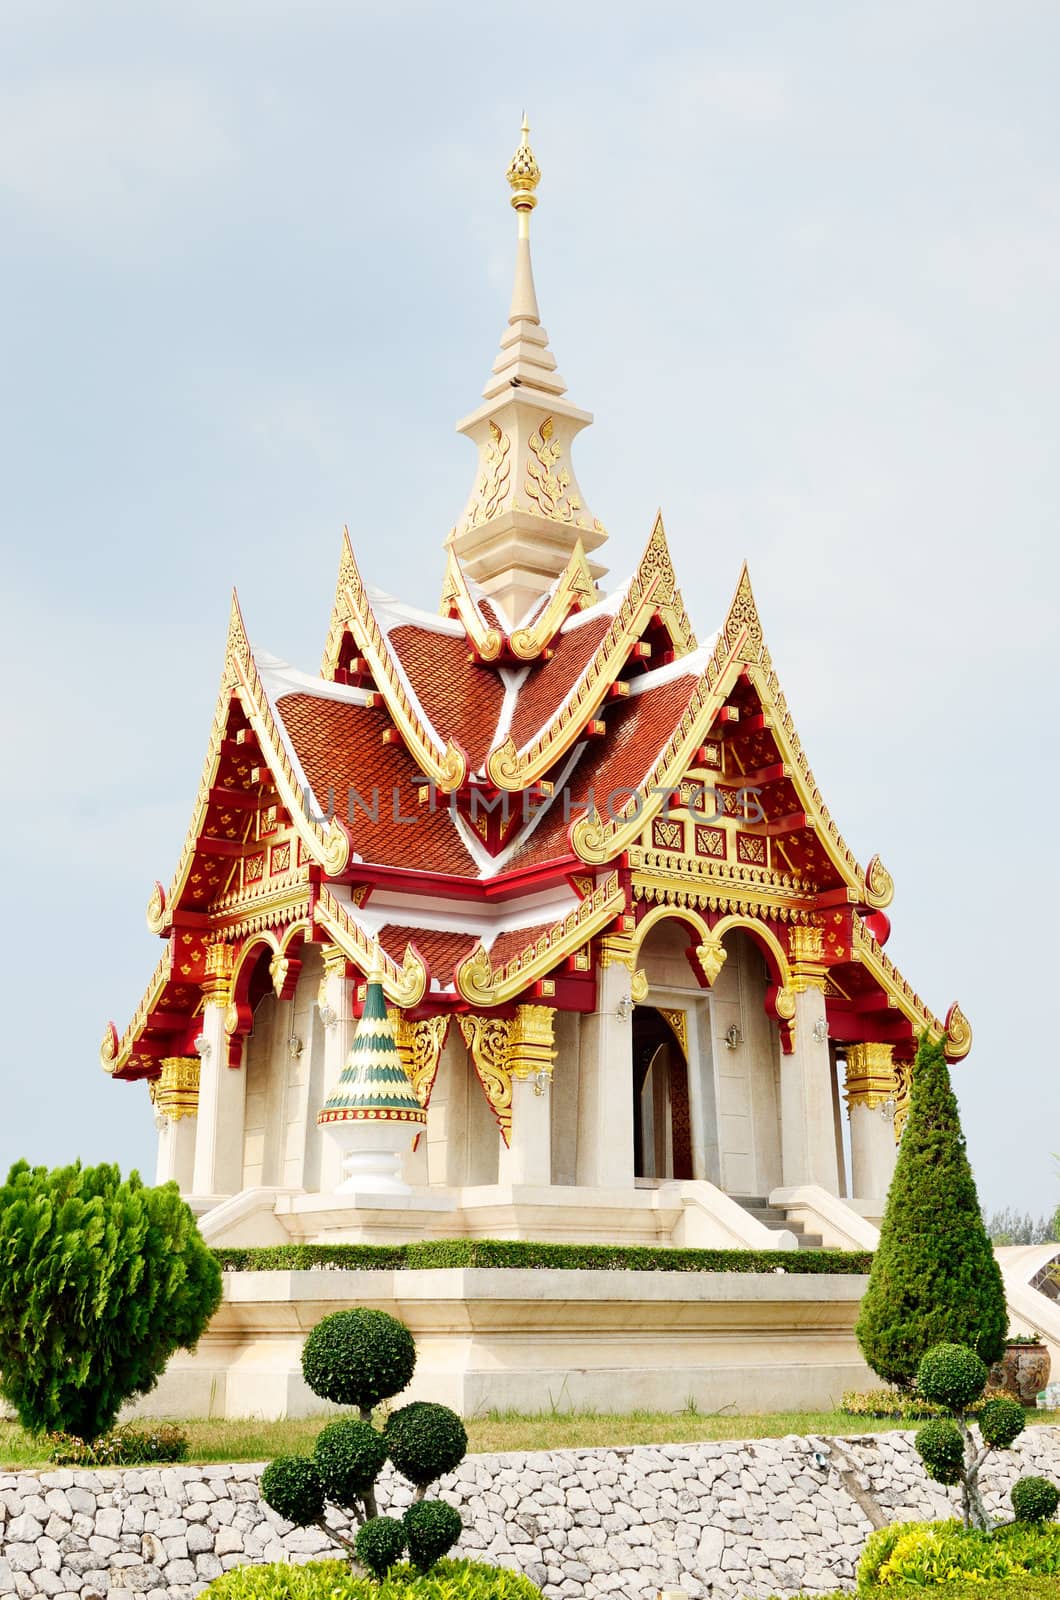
pixel 662 1129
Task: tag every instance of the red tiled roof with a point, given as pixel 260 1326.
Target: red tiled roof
pixel 440 949
pixel 340 747
pixel 637 730
pixel 507 945
pixel 550 682
pixel 461 700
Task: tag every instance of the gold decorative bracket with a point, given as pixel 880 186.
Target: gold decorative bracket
pixel 487 1039
pixel 420 1047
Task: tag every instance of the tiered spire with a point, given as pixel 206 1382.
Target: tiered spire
pixel 526 511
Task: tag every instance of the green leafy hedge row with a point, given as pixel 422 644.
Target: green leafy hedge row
pixel 333 1580
pixel 525 1253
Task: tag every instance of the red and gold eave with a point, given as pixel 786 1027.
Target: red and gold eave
pixel 597 763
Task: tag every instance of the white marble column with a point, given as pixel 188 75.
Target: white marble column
pixel 605 1082
pixel 176 1094
pixel 528 1159
pixel 807 1127
pixel 222 1102
pixel 871 1087
pixel 336 1013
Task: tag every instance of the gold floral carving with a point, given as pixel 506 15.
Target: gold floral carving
pixel 547 480
pixel 420 1047
pixel 487 1039
pixel 446 767
pixel 531 1042
pixel 807 944
pixel 575 587
pixel 513 769
pixel 477 980
pixel 487 641
pixel 784 1004
pixel 743 627
pixel 903 1073
pixel 156 909
pixel 175 1091
pixel 638 987
pixel 494 480
pixel 711 955
pixel 403 986
pixel 677 1021
pixel 719 886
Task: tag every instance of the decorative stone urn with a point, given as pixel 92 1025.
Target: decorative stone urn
pixel 1022 1372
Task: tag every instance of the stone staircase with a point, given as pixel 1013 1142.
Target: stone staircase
pixel 758 1206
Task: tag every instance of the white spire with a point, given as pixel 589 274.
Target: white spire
pixel 526 512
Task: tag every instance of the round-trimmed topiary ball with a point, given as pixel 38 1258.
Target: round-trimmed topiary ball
pixel 941 1449
pixel 423 1440
pixel 291 1486
pixel 349 1456
pixel 1033 1499
pixel 379 1544
pixel 1000 1421
pixel 951 1375
pixel 431 1528
pixel 357 1358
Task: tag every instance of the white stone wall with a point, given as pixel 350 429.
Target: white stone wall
pixel 719 1521
pixel 285 1086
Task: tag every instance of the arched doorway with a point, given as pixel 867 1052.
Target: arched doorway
pixel 662 1126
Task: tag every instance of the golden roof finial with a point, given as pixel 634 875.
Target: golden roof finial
pixel 524 174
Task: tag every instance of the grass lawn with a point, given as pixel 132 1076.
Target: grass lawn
pixel 259 1441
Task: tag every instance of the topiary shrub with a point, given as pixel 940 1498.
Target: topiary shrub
pixel 424 1441
pixel 349 1456
pixel 292 1486
pixel 951 1376
pixel 1001 1421
pixel 954 1377
pixel 1034 1499
pixel 358 1358
pixel 380 1544
pixel 432 1527
pixel 934 1277
pixel 102 1281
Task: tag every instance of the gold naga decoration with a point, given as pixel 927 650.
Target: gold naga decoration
pixel 651 589
pixel 488 642
pixel 403 986
pixel 327 847
pixel 575 588
pixel 420 1048
pixel 479 983
pixel 446 768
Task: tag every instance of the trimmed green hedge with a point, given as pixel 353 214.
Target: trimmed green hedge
pixel 525 1253
pixel 333 1580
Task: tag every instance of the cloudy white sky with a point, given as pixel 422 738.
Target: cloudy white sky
pixel 801 261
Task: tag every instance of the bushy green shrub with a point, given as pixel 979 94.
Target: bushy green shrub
pixel 126 1446
pixel 431 1529
pixel 292 1486
pixel 952 1376
pixel 941 1448
pixel 932 1555
pixel 1034 1499
pixel 380 1544
pixel 934 1278
pixel 1001 1421
pixel 349 1456
pixel 332 1580
pixel 530 1253
pixel 895 1404
pixel 424 1441
pixel 359 1357
pixel 102 1281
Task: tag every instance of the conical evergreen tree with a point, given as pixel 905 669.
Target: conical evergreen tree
pixel 934 1276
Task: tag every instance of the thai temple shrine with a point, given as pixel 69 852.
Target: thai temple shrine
pixel 525 919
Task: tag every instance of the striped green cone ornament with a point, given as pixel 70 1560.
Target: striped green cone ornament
pixel 373 1085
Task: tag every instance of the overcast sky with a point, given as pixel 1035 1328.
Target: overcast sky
pixel 801 261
